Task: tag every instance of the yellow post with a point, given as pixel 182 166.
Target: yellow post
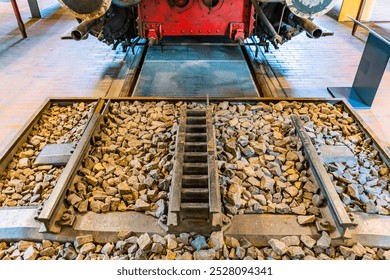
pixel 351 8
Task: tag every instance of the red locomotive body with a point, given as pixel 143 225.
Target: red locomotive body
pixel 117 22
pixel 158 18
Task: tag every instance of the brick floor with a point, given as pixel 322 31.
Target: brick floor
pixel 44 66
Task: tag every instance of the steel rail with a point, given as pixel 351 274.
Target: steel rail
pixel 175 189
pixel 339 213
pixel 214 190
pixel 53 208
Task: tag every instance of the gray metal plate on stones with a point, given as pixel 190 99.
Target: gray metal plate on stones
pixel 195 71
pixel 55 154
pixel 331 154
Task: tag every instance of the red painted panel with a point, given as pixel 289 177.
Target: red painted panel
pixel 232 18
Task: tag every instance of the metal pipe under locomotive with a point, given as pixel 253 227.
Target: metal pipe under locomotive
pixel 122 22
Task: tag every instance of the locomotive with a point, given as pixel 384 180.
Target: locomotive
pixel 124 22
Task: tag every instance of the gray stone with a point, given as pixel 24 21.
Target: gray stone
pixel 248 170
pixel 96 206
pixel 15 254
pixel 140 255
pixel 120 245
pixel 292 191
pixel 107 249
pixel 185 256
pixel 234 195
pixel 248 151
pixel 324 241
pixel 157 248
pixel 132 249
pixel 277 198
pixel 171 243
pixel 144 242
pixel 83 239
pixel 46 244
pixel 299 210
pixel 243 141
pixel 28 153
pixel 371 207
pixel 30 254
pixel 244 243
pixel 233 122
pixel 282 208
pixel 204 254
pixel 267 183
pixel 122 206
pixel 160 208
pixel 308 241
pixel 48 252
pixel 291 240
pixel 199 243
pixel 69 254
pixel 303 220
pixel 367 257
pixel 279 247
pixel 122 235
pixel 141 205
pixel 310 187
pixel 83 206
pixel 24 245
pixel 359 250
pixel 231 242
pixel 131 239
pixel 159 239
pixel 317 200
pixel 73 199
pixel 91 180
pixel 260 198
pixel 87 248
pixel 296 252
pixel 183 238
pixel 35 198
pixel 240 252
pixel 253 181
pixel 386 255
pixel 124 188
pixel 231 148
pixel 292 156
pixel 216 240
pixel 23 163
pixel 345 251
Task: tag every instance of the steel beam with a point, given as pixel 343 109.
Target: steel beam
pixel 34 8
pixel 338 211
pixel 19 18
pixel 54 208
pixel 175 189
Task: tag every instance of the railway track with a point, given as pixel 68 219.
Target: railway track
pixel 195 194
pixel 145 168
